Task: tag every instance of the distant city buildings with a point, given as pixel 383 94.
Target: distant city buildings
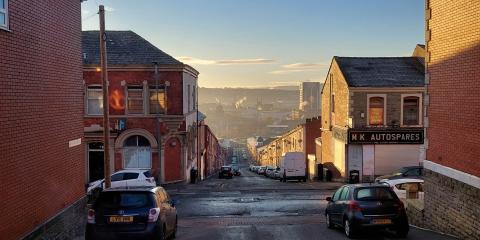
pixel 310 99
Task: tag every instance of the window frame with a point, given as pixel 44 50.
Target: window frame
pixel 5 12
pixel 135 88
pixel 384 96
pixel 137 147
pixel 87 98
pixel 161 89
pixel 420 109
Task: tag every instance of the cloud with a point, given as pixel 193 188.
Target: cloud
pixel 199 61
pixel 299 67
pixel 109 9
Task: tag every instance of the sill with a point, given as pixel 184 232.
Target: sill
pixel 5 28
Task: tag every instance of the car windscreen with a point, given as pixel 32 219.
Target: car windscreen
pixel 124 200
pixel 225 169
pixel 374 194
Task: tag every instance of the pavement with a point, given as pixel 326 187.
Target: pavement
pixel 255 207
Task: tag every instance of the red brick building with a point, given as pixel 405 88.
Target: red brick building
pixel 41 115
pixel 212 155
pixel 152 115
pixel 452 181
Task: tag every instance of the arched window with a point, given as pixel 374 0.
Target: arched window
pixel 376 111
pixel 137 153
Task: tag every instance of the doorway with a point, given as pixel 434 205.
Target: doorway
pixel 95 161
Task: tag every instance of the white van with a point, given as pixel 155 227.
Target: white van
pixel 293 167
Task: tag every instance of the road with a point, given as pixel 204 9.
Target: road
pixel 254 207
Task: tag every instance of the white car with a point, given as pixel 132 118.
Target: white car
pixel 125 178
pixel 400 186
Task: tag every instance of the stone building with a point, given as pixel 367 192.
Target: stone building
pixel 372 112
pixel 452 166
pixel 300 139
pixel 41 114
pixel 153 116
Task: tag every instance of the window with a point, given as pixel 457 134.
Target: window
pixel 194 99
pixel 135 100
pixel 344 195
pixel 116 177
pixel 333 103
pixel 157 100
pixel 336 196
pixel 411 110
pixel 4 14
pixel 129 176
pixel 137 153
pixel 94 100
pixel 189 98
pixel 376 111
pixel 375 193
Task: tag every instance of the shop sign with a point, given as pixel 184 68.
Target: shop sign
pixel 385 136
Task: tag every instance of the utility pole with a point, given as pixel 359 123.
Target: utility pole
pixel 106 118
pixel 157 125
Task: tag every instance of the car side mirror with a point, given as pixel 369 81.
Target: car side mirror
pixel 329 199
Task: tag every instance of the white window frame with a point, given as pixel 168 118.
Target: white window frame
pixel 140 89
pixel 384 96
pixel 5 11
pixel 420 109
pixel 97 88
pixel 126 148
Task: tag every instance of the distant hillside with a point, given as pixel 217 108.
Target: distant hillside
pixel 288 97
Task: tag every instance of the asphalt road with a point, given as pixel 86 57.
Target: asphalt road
pixel 254 207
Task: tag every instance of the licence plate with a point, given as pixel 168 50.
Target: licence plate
pixel 382 221
pixel 121 219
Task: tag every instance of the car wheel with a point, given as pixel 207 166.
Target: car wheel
pixel 349 231
pixel 328 220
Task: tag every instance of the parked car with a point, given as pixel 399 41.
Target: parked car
pixel 250 168
pixel 137 213
pixel 261 170
pixel 124 178
pixel 269 171
pixel 358 206
pixel 405 172
pixel 225 172
pixel 277 173
pixel 400 186
pixel 236 170
pixel 293 167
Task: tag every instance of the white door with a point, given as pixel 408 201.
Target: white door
pixel 355 158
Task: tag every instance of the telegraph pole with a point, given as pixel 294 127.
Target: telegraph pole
pixel 106 118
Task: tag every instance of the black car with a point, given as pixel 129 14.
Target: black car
pixel 358 206
pixel 405 172
pixel 225 172
pixel 138 213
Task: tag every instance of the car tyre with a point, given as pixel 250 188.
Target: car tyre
pixel 328 221
pixel 348 229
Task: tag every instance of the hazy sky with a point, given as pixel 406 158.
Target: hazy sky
pixel 264 43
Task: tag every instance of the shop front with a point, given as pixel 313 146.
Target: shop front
pixel 375 152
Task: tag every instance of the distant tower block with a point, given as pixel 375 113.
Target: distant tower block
pixel 310 99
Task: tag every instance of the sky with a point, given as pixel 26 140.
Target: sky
pixel 266 43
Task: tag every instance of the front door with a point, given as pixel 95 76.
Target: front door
pixel 95 161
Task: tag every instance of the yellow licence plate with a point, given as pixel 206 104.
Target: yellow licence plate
pixel 382 221
pixel 121 219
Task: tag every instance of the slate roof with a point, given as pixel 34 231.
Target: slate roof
pixel 123 48
pixel 382 71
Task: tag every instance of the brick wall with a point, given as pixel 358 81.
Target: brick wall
pixel 451 206
pixel 453 45
pixel 41 110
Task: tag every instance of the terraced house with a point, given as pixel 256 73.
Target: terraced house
pixel 152 108
pixel 372 114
